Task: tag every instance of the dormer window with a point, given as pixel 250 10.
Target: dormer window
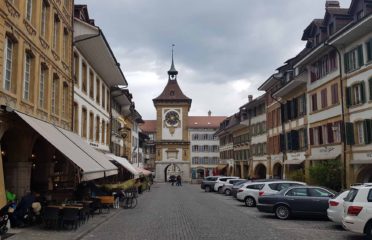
pixel 171 93
pixel 331 29
pixel 359 15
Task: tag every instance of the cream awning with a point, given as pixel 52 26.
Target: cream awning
pixel 94 164
pixel 125 163
pixel 143 171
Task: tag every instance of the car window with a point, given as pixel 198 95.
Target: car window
pixel 369 198
pixel 282 186
pixel 255 186
pixel 298 192
pixel 318 192
pixel 211 178
pixel 274 186
pixel 351 196
pixel 223 179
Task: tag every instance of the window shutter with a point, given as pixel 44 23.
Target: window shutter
pixel 311 136
pixel 367 131
pixel 282 143
pixel 295 140
pixel 363 91
pixel 320 134
pixel 369 50
pixel 360 56
pixel 342 130
pixel 346 62
pixel 348 96
pixel 370 88
pixel 294 108
pixel 330 133
pixel 349 133
pixel 289 141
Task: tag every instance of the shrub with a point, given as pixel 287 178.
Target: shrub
pixel 327 174
pixel 297 175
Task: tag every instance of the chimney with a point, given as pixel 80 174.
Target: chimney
pixel 209 113
pixel 332 4
pixel 250 98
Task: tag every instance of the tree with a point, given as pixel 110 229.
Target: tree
pixel 327 174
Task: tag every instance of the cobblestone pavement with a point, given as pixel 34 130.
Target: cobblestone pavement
pixel 185 213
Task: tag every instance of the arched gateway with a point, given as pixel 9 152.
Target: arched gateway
pixel 172 140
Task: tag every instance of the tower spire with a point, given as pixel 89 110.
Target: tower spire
pixel 172 71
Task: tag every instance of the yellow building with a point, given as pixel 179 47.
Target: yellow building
pixel 35 75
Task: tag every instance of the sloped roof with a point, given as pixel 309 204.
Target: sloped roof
pixel 148 126
pixel 172 92
pixel 205 121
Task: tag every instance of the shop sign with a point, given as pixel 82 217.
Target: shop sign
pixel 296 156
pixel 327 152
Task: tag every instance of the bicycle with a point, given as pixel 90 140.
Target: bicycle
pixel 128 199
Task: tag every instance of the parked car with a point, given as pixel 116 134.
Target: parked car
pixel 335 210
pixel 226 188
pixel 357 210
pixel 235 188
pixel 298 200
pixel 220 181
pixel 250 193
pixel 208 183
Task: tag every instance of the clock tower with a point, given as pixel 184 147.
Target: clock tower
pixel 172 139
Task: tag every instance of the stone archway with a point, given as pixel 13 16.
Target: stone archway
pixel 277 171
pixel 365 174
pixel 171 169
pixel 260 171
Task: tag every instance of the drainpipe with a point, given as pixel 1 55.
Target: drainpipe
pixel 342 114
pixel 284 151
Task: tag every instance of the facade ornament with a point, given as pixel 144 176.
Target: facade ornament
pixel 43 43
pixel 30 29
pixel 11 9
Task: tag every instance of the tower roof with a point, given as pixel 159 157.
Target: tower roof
pixel 172 92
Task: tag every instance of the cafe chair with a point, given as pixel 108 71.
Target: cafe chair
pixel 51 217
pixel 71 217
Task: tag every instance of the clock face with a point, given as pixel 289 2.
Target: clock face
pixel 172 118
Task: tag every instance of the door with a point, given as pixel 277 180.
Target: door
pixel 319 197
pixel 298 200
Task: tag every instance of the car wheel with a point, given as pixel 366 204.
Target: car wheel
pixel 250 202
pixel 207 188
pixel 282 212
pixel 227 192
pixel 368 230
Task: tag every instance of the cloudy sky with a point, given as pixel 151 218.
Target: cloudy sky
pixel 224 49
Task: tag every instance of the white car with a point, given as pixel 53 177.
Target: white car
pixel 227 186
pixel 250 193
pixel 358 210
pixel 220 181
pixel 336 207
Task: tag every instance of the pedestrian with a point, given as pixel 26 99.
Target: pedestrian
pixel 172 179
pixel 179 181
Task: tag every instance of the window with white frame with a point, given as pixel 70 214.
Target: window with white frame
pixel 29 10
pixel 55 32
pixel 353 59
pixel 42 86
pixel 337 132
pixel 43 26
pixel 27 77
pixel 316 136
pixel 8 61
pixel 54 105
pixel 356 94
pixel 359 132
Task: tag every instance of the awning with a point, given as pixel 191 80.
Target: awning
pixel 322 158
pixel 293 162
pixel 222 166
pixel 93 163
pixel 124 162
pixel 143 171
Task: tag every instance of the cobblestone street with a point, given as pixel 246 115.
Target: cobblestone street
pixel 189 213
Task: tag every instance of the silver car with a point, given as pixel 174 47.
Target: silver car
pixel 227 187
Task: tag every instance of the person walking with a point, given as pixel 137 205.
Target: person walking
pixel 179 181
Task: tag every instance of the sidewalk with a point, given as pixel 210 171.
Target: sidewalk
pixel 40 233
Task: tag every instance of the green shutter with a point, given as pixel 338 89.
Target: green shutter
pixel 360 55
pixel 348 96
pixel 363 91
pixel 367 131
pixel 349 133
pixel 346 62
pixel 370 88
pixel 369 50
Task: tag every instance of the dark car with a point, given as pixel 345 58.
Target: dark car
pixel 208 183
pixel 299 200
